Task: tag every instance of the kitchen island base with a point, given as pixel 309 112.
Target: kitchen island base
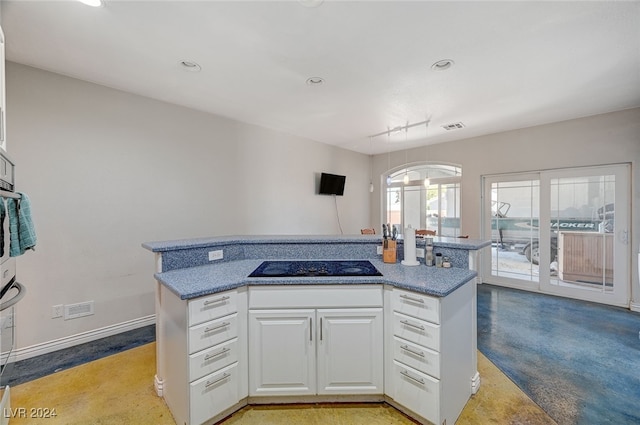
pixel 218 358
pixel 405 337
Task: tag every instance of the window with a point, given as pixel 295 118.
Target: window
pixel 436 207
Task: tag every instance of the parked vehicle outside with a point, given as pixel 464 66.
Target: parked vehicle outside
pixel 520 234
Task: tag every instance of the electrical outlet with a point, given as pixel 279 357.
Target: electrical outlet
pixel 216 255
pixel 379 249
pixel 57 311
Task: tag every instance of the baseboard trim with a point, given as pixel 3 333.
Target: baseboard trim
pixel 635 307
pixel 158 384
pixel 81 338
pixel 475 383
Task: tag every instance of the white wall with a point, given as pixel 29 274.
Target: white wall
pixel 108 170
pixel 603 139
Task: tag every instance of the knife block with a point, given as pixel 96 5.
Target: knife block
pixel 389 252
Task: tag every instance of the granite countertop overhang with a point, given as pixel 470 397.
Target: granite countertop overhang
pixel 179 244
pixel 209 279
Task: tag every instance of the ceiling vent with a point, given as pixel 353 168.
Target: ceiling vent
pixel 453 126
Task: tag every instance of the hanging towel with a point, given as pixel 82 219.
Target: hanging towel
pixel 3 214
pixel 23 234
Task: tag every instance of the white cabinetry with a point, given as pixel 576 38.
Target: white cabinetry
pixel 350 351
pixel 3 103
pixel 282 352
pixel 204 353
pixel 315 343
pixel 430 365
pixel 337 350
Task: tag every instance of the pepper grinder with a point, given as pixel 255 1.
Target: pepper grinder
pixel 428 252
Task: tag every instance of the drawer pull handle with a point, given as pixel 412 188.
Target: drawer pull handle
pixel 418 380
pixel 415 300
pixel 219 353
pixel 222 378
pixel 413 325
pixel 220 326
pixel 417 353
pixel 216 301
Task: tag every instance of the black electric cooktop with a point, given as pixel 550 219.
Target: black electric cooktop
pixel 284 268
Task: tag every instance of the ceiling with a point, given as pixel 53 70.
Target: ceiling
pixel 516 63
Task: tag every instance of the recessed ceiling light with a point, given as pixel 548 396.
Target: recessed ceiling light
pixel 315 81
pixel 442 65
pixel 92 3
pixel 190 66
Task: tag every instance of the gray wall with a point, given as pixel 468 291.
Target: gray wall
pixel 107 170
pixel 603 139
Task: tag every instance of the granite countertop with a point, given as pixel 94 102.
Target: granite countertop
pixel 197 281
pixel 440 241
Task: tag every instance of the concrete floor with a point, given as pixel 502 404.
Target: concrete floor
pixel 579 361
pixel 118 389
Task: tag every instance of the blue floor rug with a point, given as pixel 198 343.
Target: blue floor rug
pixel 577 360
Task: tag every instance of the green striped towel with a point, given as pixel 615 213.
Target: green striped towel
pixel 23 234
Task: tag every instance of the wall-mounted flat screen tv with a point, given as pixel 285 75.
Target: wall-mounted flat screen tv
pixel 331 184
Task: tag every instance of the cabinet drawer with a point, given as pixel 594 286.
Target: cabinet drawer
pixel 416 331
pixel 417 356
pixel 417 391
pixel 208 361
pixel 214 393
pixel 211 307
pixel 213 332
pixel 417 305
pixel 315 296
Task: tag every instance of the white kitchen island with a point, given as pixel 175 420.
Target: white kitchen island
pixel 225 340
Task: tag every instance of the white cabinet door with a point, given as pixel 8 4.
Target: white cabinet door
pixel 350 351
pixel 282 358
pixel 3 116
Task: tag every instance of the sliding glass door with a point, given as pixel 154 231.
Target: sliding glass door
pixel 513 211
pixel 589 214
pixel 563 232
